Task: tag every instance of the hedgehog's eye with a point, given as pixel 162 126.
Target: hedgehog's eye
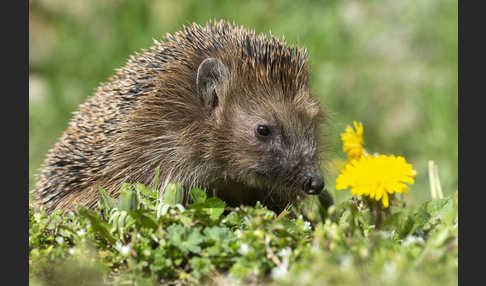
pixel 263 130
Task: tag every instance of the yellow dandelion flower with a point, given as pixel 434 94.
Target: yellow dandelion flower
pixel 353 141
pixel 376 177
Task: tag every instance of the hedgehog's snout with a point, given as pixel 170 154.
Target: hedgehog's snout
pixel 305 175
pixel 313 184
pixel 312 179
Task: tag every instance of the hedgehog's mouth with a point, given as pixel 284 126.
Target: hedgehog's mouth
pixel 239 192
pixel 274 192
pixel 279 186
pixel 286 187
pixel 310 183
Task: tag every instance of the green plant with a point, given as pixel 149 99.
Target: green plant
pixel 129 240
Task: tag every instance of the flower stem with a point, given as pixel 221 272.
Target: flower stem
pixel 378 217
pixel 376 210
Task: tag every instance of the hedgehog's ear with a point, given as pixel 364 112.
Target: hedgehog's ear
pixel 212 77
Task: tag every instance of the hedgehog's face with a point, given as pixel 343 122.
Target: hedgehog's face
pixel 266 138
pixel 276 144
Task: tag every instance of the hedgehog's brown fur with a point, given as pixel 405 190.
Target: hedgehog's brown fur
pixel 149 115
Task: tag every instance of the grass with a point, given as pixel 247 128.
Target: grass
pixel 141 239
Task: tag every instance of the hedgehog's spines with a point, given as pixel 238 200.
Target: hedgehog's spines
pixel 147 114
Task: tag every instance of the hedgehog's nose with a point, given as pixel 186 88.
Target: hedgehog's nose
pixel 314 184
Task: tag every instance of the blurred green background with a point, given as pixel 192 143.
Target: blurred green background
pixel 390 64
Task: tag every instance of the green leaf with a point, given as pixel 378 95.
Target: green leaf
pixel 127 201
pixel 445 208
pixel 212 202
pixel 173 194
pixel 200 266
pixel 147 198
pixel 215 213
pixel 436 205
pixel 213 206
pixel 69 229
pixel 405 227
pixel 345 219
pixel 233 219
pixel 218 234
pixel 98 225
pixel 144 218
pixel 414 222
pixel 145 191
pixel 106 202
pixel 198 195
pixel 282 231
pixel 393 221
pixel 187 239
pixel 439 237
pixel 421 217
pixel 156 179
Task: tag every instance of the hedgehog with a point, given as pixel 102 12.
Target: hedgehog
pixel 216 107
